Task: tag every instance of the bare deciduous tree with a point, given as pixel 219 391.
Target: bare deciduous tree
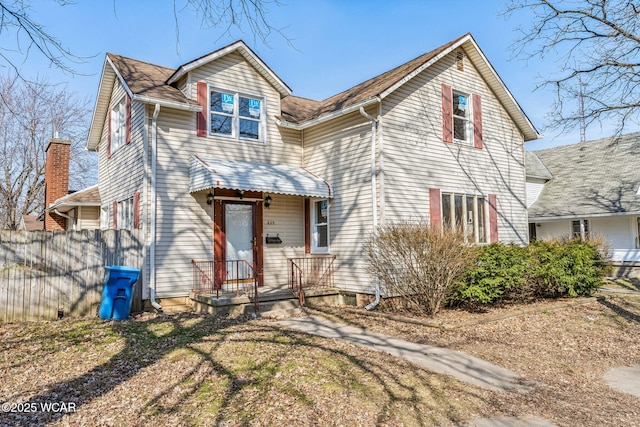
pixel 596 44
pixel 417 263
pixel 29 114
pixel 28 35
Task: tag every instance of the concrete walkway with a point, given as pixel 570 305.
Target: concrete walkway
pixel 462 366
pixel 625 379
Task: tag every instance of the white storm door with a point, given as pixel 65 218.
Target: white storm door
pixel 238 220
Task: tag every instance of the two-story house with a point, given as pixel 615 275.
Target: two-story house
pixel 217 160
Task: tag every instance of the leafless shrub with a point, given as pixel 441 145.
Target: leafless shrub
pixel 417 263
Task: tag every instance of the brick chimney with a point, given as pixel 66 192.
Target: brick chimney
pixel 56 180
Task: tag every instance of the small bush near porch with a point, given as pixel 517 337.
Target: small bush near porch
pixel 418 264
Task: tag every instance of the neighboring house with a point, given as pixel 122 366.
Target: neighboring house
pixel 64 209
pixel 218 160
pixel 586 189
pixel 31 223
pixel 80 208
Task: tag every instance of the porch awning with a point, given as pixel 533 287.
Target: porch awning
pixel 208 173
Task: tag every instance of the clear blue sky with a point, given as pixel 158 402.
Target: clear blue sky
pixel 338 43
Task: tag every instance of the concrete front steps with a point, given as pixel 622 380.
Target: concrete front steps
pixel 271 301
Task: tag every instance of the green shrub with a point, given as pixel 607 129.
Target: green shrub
pixel 499 273
pixel 567 267
pixel 551 268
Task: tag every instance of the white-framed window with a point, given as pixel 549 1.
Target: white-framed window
pixel 320 226
pixel 118 124
pixel 104 217
pixel 236 115
pixel 461 116
pixel 580 229
pixel 125 214
pixel 467 212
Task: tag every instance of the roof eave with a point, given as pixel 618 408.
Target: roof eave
pixel 327 117
pixel 101 105
pixel 169 104
pixel 65 207
pixel 549 218
pixel 527 128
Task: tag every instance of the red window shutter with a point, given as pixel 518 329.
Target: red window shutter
pixel 477 121
pixel 109 135
pixel 435 214
pixel 136 209
pixel 128 118
pixel 447 113
pixel 493 218
pixel 307 226
pixel 115 215
pixel 201 116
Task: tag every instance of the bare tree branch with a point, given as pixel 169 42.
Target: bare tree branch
pixel 30 35
pixel 596 46
pixel 228 15
pixel 29 113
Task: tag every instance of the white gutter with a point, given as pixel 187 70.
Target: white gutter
pixel 61 214
pixel 152 244
pixel 168 104
pixel 579 216
pixel 312 122
pixel 374 198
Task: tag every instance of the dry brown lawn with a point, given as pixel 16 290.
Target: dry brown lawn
pixel 187 369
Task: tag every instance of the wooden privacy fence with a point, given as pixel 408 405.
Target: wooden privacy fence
pixel 48 274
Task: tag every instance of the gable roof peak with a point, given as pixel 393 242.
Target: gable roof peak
pixel 241 47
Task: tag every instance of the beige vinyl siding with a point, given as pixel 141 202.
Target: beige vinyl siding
pixel 417 159
pixel 339 151
pixel 120 176
pixel 233 73
pixel 88 217
pixel 184 220
pixel 285 218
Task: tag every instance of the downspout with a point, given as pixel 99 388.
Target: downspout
pixel 374 198
pixel 61 214
pixel 152 243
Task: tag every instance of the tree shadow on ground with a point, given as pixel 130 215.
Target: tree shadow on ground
pixel 618 309
pixel 148 342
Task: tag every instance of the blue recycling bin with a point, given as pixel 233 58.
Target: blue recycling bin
pixel 117 292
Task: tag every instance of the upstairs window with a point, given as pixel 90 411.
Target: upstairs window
pixel 118 124
pixel 236 115
pixel 461 117
pixel 461 120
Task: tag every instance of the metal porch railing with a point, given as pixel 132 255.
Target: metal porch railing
pixel 225 278
pixel 310 273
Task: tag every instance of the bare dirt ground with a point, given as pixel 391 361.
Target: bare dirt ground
pixel 187 369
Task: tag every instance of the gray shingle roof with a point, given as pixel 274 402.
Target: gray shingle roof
pixel 148 79
pixel 534 167
pixel 591 178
